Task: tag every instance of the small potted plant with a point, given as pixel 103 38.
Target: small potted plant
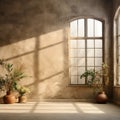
pixel 9 78
pixel 99 80
pixel 23 92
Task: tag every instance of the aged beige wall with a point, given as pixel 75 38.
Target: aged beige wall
pixel 116 4
pixel 116 93
pixel 35 34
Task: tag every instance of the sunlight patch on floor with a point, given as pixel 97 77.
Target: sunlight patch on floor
pixel 38 108
pixel 50 107
pixel 89 108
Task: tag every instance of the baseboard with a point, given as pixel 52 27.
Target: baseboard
pixel 116 102
pixel 61 100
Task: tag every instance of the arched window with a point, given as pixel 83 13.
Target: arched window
pixel 117 47
pixel 86 47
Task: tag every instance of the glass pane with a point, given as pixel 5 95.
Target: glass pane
pixel 90 52
pixel 73 79
pixel 81 27
pixel 98 52
pixel 90 43
pixel 73 28
pixel 81 81
pixel 98 61
pixel 97 68
pixel 73 62
pixel 73 70
pixel 98 43
pixel 90 27
pixel 81 70
pixel 73 43
pixel 81 61
pixel 73 53
pixel 81 52
pixel 90 68
pixel 98 28
pixel 81 43
pixel 90 61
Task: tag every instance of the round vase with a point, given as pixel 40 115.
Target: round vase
pixel 9 98
pixel 101 98
pixel 23 99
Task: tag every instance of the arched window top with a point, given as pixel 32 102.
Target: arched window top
pixel 86 27
pixel 117 13
pixel 86 47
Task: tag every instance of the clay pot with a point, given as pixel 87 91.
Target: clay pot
pixel 23 99
pixel 101 98
pixel 9 98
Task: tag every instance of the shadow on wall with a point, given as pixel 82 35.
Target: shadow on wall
pixel 34 35
pixel 20 20
pixel 44 58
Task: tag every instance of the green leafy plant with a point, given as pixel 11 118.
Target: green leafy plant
pixel 99 80
pixel 22 90
pixel 10 77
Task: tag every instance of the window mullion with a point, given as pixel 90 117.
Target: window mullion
pixel 85 46
pixel 77 52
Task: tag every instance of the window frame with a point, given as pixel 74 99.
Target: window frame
pixel 116 48
pixel 86 38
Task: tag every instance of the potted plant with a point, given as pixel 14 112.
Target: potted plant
pixel 9 78
pixel 23 92
pixel 99 80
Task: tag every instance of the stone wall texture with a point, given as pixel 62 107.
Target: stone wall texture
pixel 35 34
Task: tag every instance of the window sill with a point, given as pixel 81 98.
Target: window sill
pixel 70 85
pixel 117 86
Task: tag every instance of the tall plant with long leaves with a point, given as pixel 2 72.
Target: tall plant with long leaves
pixel 9 79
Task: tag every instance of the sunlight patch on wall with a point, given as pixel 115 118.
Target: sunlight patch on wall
pixel 18 49
pixel 51 38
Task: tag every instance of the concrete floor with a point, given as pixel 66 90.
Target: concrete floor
pixel 59 111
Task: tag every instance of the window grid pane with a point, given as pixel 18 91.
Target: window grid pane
pixel 90 43
pixel 98 28
pixel 81 27
pixel 98 43
pixel 90 27
pixel 85 53
pixel 73 29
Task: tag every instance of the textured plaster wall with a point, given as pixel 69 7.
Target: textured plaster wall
pixel 116 4
pixel 35 33
pixel 116 93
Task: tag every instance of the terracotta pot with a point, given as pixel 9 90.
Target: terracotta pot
pixel 9 98
pixel 23 99
pixel 101 98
